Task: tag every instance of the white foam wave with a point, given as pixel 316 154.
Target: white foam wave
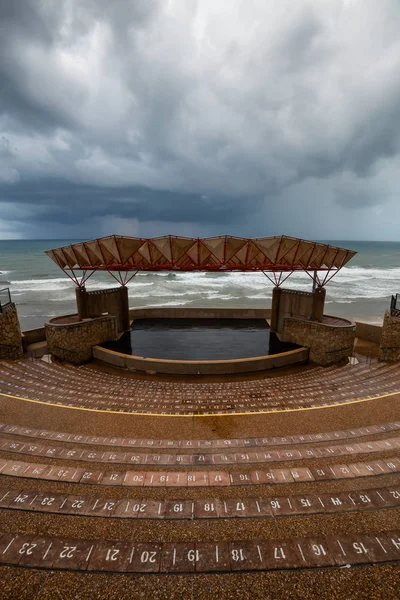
pixel 363 273
pixel 173 303
pixel 222 297
pixel 41 280
pixel 55 284
pixel 350 285
pixel 40 285
pixel 63 298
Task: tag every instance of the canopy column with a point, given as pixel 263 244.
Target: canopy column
pixel 124 315
pixel 81 303
pixel 297 304
pixel 318 304
pixel 276 293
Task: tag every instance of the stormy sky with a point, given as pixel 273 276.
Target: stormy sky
pixel 200 117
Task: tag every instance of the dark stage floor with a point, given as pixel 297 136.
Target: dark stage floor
pixel 199 339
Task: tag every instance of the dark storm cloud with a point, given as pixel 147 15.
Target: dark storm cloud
pixel 60 202
pixel 251 114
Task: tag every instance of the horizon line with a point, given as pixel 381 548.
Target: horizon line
pixel 80 239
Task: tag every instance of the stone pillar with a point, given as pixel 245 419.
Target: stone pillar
pixel 318 304
pixel 276 294
pixel 125 321
pixel 10 334
pixel 389 349
pixel 81 303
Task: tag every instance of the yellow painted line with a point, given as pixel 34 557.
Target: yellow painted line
pixel 230 414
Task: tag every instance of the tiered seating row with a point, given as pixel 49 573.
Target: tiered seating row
pixel 203 444
pixel 251 457
pixel 209 508
pixel 199 478
pixel 308 380
pixel 198 557
pixel 93 390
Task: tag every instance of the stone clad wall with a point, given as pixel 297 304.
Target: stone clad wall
pixel 10 333
pixel 328 344
pixel 73 342
pixel 390 341
pixel 369 332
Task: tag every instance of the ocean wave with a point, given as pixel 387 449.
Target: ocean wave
pixel 357 272
pixel 38 286
pixel 155 274
pixel 152 304
pixel 54 284
pixel 63 298
pixel 355 286
pixel 213 296
pixel 350 284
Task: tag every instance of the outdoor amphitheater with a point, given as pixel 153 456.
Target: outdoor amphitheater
pixel 264 466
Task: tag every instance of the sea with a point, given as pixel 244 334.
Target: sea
pixel 361 291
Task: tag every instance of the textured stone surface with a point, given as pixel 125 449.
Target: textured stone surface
pixel 327 343
pixel 73 342
pixel 10 333
pixel 389 349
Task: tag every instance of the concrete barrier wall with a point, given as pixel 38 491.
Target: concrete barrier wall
pixel 183 312
pixel 73 342
pixel 369 332
pixel 10 333
pixel 33 336
pixel 327 343
pixel 200 367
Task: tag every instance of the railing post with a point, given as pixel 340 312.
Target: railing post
pixel 8 298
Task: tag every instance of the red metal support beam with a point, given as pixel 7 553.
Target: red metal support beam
pixel 171 249
pixel 118 250
pixel 116 278
pixel 279 248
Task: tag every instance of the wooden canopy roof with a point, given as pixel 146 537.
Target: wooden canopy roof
pixel 222 253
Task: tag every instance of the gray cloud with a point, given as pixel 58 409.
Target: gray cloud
pixel 226 117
